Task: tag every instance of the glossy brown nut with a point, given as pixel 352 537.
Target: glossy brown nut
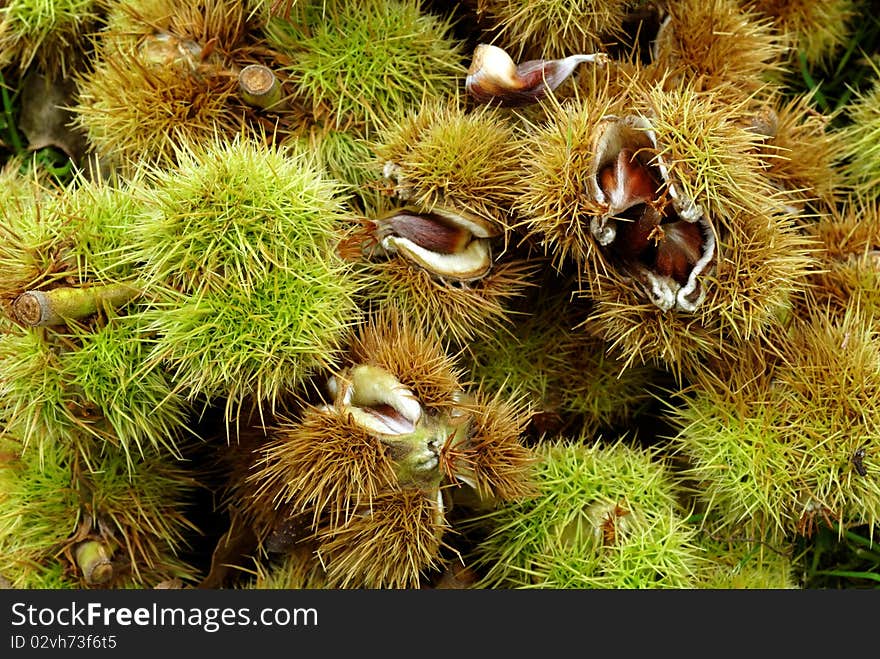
pixel 432 231
pixel 627 182
pixel 634 237
pixel 678 251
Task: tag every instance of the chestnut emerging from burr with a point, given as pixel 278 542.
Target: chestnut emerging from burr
pixel 449 244
pixel 661 238
pixel 493 76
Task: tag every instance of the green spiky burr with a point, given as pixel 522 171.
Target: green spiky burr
pixel 238 246
pixel 812 30
pixel 801 150
pixel 553 28
pixel 30 245
pixel 847 269
pixel 299 570
pixel 362 64
pixel 860 156
pixel 779 451
pixel 42 499
pixel 443 155
pixel 48 31
pixel 17 187
pixel 744 565
pixel 231 212
pixel 567 375
pixel 75 363
pixel 368 476
pixel 100 218
pixel 89 383
pixel 166 72
pixel 735 470
pixel 718 45
pixel 603 517
pixel 34 394
pixel 111 522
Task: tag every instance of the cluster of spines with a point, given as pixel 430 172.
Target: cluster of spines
pixel 101 522
pixel 860 155
pixel 358 65
pixel 604 516
pixel 50 32
pixel 553 28
pixel 165 73
pixel 371 515
pixel 261 245
pixel 760 169
pixel 95 378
